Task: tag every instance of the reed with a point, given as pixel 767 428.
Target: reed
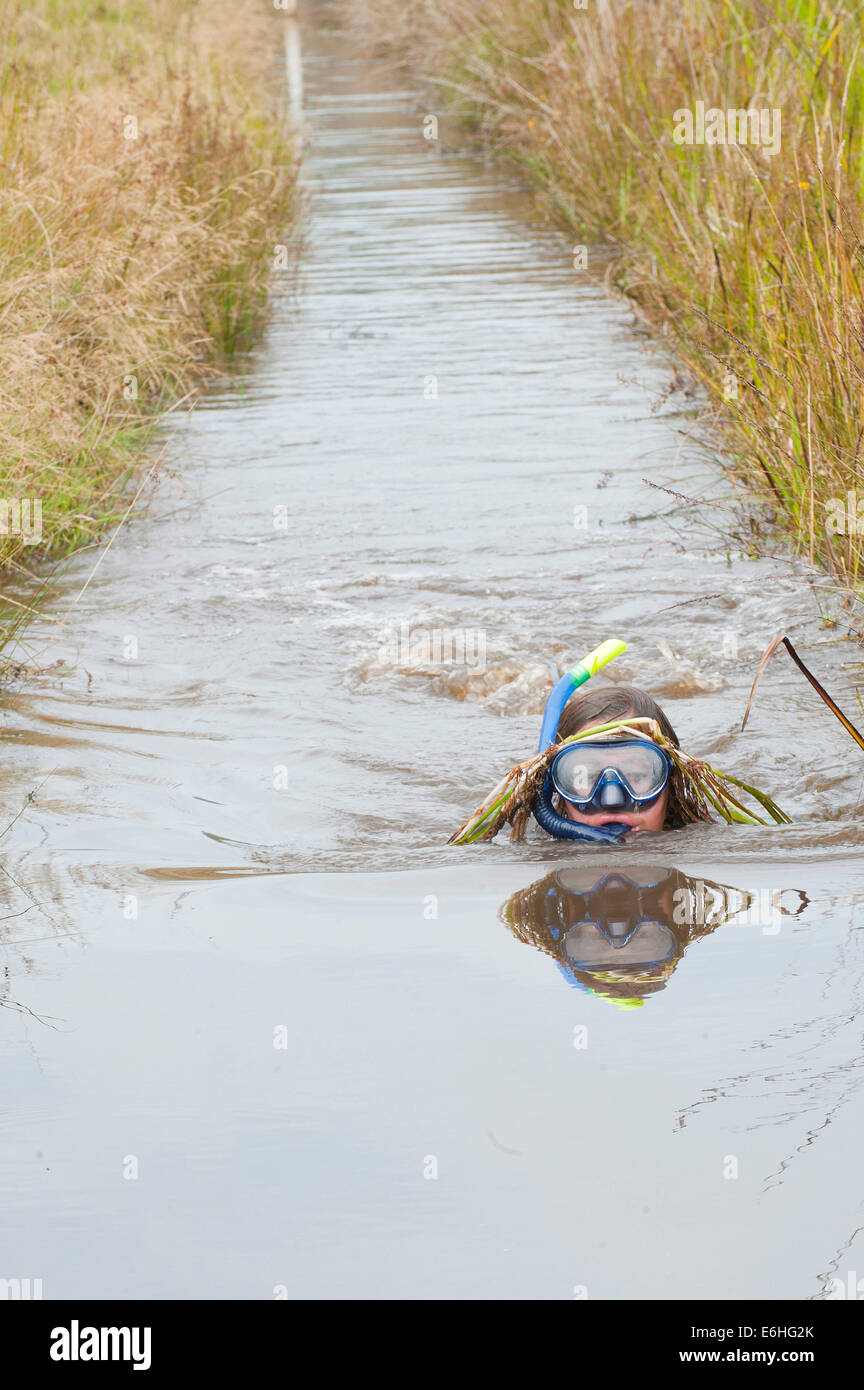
pixel 750 260
pixel 144 182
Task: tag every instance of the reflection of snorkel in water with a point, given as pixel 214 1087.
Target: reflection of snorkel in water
pixel 609 763
pixel 621 935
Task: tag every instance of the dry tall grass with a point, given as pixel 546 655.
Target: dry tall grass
pixel 144 181
pixel 754 261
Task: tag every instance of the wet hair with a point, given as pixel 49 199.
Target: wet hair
pixel 603 704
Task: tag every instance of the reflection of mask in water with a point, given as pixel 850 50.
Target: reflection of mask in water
pixel 615 924
pixel 619 946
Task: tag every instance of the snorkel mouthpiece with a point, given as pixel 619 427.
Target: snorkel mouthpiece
pixel 570 681
pixel 561 828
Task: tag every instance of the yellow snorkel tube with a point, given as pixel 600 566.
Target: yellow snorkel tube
pixel 570 681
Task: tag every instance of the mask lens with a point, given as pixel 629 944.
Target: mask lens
pixel 576 770
pixel 647 876
pixel 573 879
pixel 588 948
pixel 643 767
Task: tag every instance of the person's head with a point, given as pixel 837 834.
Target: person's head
pixel 603 705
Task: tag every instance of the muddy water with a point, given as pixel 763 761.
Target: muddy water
pixel 262 1028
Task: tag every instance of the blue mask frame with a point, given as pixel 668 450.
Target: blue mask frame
pixel 611 791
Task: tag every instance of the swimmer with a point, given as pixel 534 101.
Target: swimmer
pixel 609 765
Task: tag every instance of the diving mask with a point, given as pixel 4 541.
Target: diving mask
pixel 611 775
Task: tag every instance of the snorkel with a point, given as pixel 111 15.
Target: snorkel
pixel 544 812
pixel 570 681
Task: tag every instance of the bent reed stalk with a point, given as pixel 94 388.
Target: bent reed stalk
pixel 700 788
pixel 145 181
pixel 751 257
